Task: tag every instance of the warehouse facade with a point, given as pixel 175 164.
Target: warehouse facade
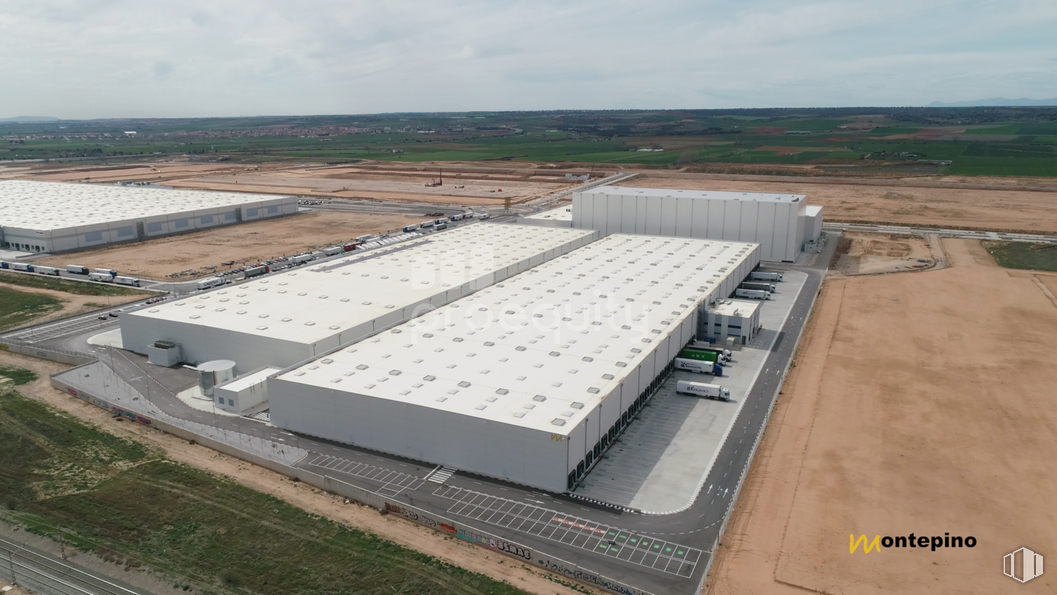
pixel 778 222
pixel 529 380
pixel 57 216
pixel 282 319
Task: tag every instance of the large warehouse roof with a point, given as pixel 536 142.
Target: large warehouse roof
pixel 562 213
pixel 55 205
pixel 701 194
pixel 541 349
pixel 313 302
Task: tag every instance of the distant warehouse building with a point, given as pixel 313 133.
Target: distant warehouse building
pixel 289 317
pixel 530 380
pixel 56 216
pixel 780 223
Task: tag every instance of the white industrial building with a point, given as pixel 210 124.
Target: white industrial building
pixel 781 223
pixel 294 315
pixel 56 216
pixel 529 380
pixel 725 319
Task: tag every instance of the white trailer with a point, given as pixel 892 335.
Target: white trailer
pixel 468 215
pixel 700 389
pixel 485 215
pixel 77 269
pixel 20 266
pixel 43 270
pixel 427 224
pixel 695 366
pixel 110 272
pixel 209 283
pixel 333 250
pixel 101 277
pixel 130 281
pixel 302 258
pixel 752 294
pixel 765 276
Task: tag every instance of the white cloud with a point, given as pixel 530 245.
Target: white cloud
pixel 124 58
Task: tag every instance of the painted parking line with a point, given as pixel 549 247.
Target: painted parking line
pixel 625 546
pixel 393 482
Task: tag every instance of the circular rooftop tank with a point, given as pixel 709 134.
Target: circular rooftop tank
pixel 213 373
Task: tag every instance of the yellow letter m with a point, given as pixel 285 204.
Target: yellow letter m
pixel 867 546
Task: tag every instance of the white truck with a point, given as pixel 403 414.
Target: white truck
pixel 333 250
pixel 700 389
pixel 110 272
pixel 101 277
pixel 302 258
pixel 761 285
pixel 765 276
pixel 130 281
pixel 485 215
pixel 43 270
pixel 77 269
pixel 427 224
pixel 209 283
pixel 752 294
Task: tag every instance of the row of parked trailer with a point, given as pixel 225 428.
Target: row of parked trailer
pixel 703 358
pixel 439 224
pixel 759 286
pixel 100 275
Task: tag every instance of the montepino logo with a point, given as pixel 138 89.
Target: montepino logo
pixel 1022 565
pixel 931 543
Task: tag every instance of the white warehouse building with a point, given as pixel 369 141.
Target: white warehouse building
pixel 529 380
pixel 292 316
pixel 781 223
pixel 57 216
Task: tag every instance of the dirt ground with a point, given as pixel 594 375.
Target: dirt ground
pixel 920 403
pixel 402 532
pixel 463 184
pixel 1015 210
pixel 873 253
pixel 245 243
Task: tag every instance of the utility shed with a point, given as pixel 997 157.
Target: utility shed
pixel 530 380
pixel 775 221
pixel 730 318
pixel 292 316
pixel 57 216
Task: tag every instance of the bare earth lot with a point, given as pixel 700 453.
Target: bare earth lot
pixel 464 184
pixel 873 253
pixel 245 243
pixel 1031 211
pixel 920 403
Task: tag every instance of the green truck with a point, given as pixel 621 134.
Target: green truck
pixel 698 354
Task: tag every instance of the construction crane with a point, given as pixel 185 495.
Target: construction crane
pixel 436 182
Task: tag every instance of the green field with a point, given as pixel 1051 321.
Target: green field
pixel 17 375
pixel 127 503
pixel 837 138
pixel 19 307
pixel 66 286
pixel 1022 255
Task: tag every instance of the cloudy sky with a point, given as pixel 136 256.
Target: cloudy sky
pixel 146 58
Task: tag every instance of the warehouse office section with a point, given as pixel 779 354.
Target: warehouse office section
pixel 297 314
pixel 530 380
pixel 780 223
pixel 57 216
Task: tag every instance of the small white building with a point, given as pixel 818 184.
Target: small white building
pixel 727 318
pixel 245 392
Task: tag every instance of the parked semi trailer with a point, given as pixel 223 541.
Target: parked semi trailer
pixel 761 285
pixel 698 366
pixel 43 270
pixel 77 269
pixel 130 281
pixel 302 258
pixel 110 272
pixel 765 276
pixel 101 277
pixel 255 271
pixel 333 250
pixel 700 389
pixel 752 294
pixel 209 283
pixel 410 228
pixel 351 246
pixel 20 266
pixel 704 346
pixel 707 354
